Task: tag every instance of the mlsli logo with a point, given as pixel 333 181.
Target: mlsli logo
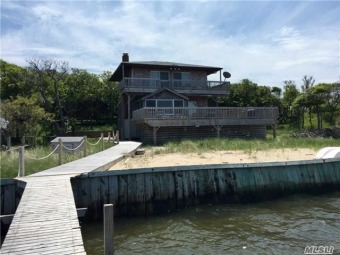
pixel 319 249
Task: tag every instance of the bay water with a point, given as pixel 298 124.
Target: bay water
pixel 282 226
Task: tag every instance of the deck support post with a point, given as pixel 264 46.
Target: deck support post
pixel 154 131
pixel 129 117
pixel 108 229
pixel 218 129
pixel 121 121
pixel 274 131
pixel 21 161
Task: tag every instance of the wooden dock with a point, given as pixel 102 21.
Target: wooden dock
pixel 46 220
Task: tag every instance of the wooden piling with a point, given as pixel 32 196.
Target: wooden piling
pixel 9 142
pixel 60 151
pixel 85 146
pixel 21 161
pixel 102 137
pixel 108 229
pixel 109 138
pixel 117 136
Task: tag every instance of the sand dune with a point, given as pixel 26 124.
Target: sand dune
pixel 152 159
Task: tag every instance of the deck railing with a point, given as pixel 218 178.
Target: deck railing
pixel 154 84
pixel 206 113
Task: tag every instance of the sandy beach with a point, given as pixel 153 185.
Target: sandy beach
pixel 152 158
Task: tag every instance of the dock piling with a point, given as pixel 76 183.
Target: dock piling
pixel 21 161
pixel 60 151
pixel 108 229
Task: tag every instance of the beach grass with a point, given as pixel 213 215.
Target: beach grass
pixel 247 145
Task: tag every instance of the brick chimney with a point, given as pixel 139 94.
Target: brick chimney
pixel 125 57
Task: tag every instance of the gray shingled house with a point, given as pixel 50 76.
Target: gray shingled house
pixel 161 101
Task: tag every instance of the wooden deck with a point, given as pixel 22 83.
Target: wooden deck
pixel 205 116
pixel 46 220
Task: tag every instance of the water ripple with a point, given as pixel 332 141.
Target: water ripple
pixel 283 226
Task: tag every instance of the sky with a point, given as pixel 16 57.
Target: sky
pixel 267 42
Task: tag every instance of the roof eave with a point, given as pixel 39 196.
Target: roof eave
pixel 118 74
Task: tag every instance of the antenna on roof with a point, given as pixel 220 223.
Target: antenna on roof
pixel 226 75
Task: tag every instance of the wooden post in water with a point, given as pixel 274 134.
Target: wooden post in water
pixel 102 135
pixel 108 229
pixel 60 151
pixel 85 146
pixel 21 161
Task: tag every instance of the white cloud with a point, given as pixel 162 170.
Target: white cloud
pixel 263 41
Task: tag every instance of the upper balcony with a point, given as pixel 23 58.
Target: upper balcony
pixel 146 85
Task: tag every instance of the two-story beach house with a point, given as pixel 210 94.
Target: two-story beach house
pixel 161 101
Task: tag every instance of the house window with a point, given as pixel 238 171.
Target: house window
pixel 165 103
pixel 150 103
pixel 181 79
pixel 159 79
pixel 178 103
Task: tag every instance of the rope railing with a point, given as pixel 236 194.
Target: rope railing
pixel 71 149
pixel 42 158
pixel 59 148
pixel 13 149
pixel 94 144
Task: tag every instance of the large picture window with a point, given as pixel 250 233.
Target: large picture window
pixel 165 103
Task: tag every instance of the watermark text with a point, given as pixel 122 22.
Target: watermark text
pixel 319 249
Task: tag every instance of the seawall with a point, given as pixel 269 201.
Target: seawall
pixel 157 190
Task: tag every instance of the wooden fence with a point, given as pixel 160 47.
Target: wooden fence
pixel 160 190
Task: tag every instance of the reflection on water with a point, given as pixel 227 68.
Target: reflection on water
pixel 283 226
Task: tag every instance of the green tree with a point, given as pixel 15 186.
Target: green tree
pixel 25 116
pixel 242 94
pixel 307 84
pixel 276 91
pixel 111 92
pixel 47 77
pixel 265 98
pixel 12 81
pixel 289 113
pixel 332 99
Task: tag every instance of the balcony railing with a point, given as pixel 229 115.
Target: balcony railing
pixel 155 84
pixel 152 113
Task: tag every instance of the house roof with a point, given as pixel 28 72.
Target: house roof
pixel 165 89
pixel 118 73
